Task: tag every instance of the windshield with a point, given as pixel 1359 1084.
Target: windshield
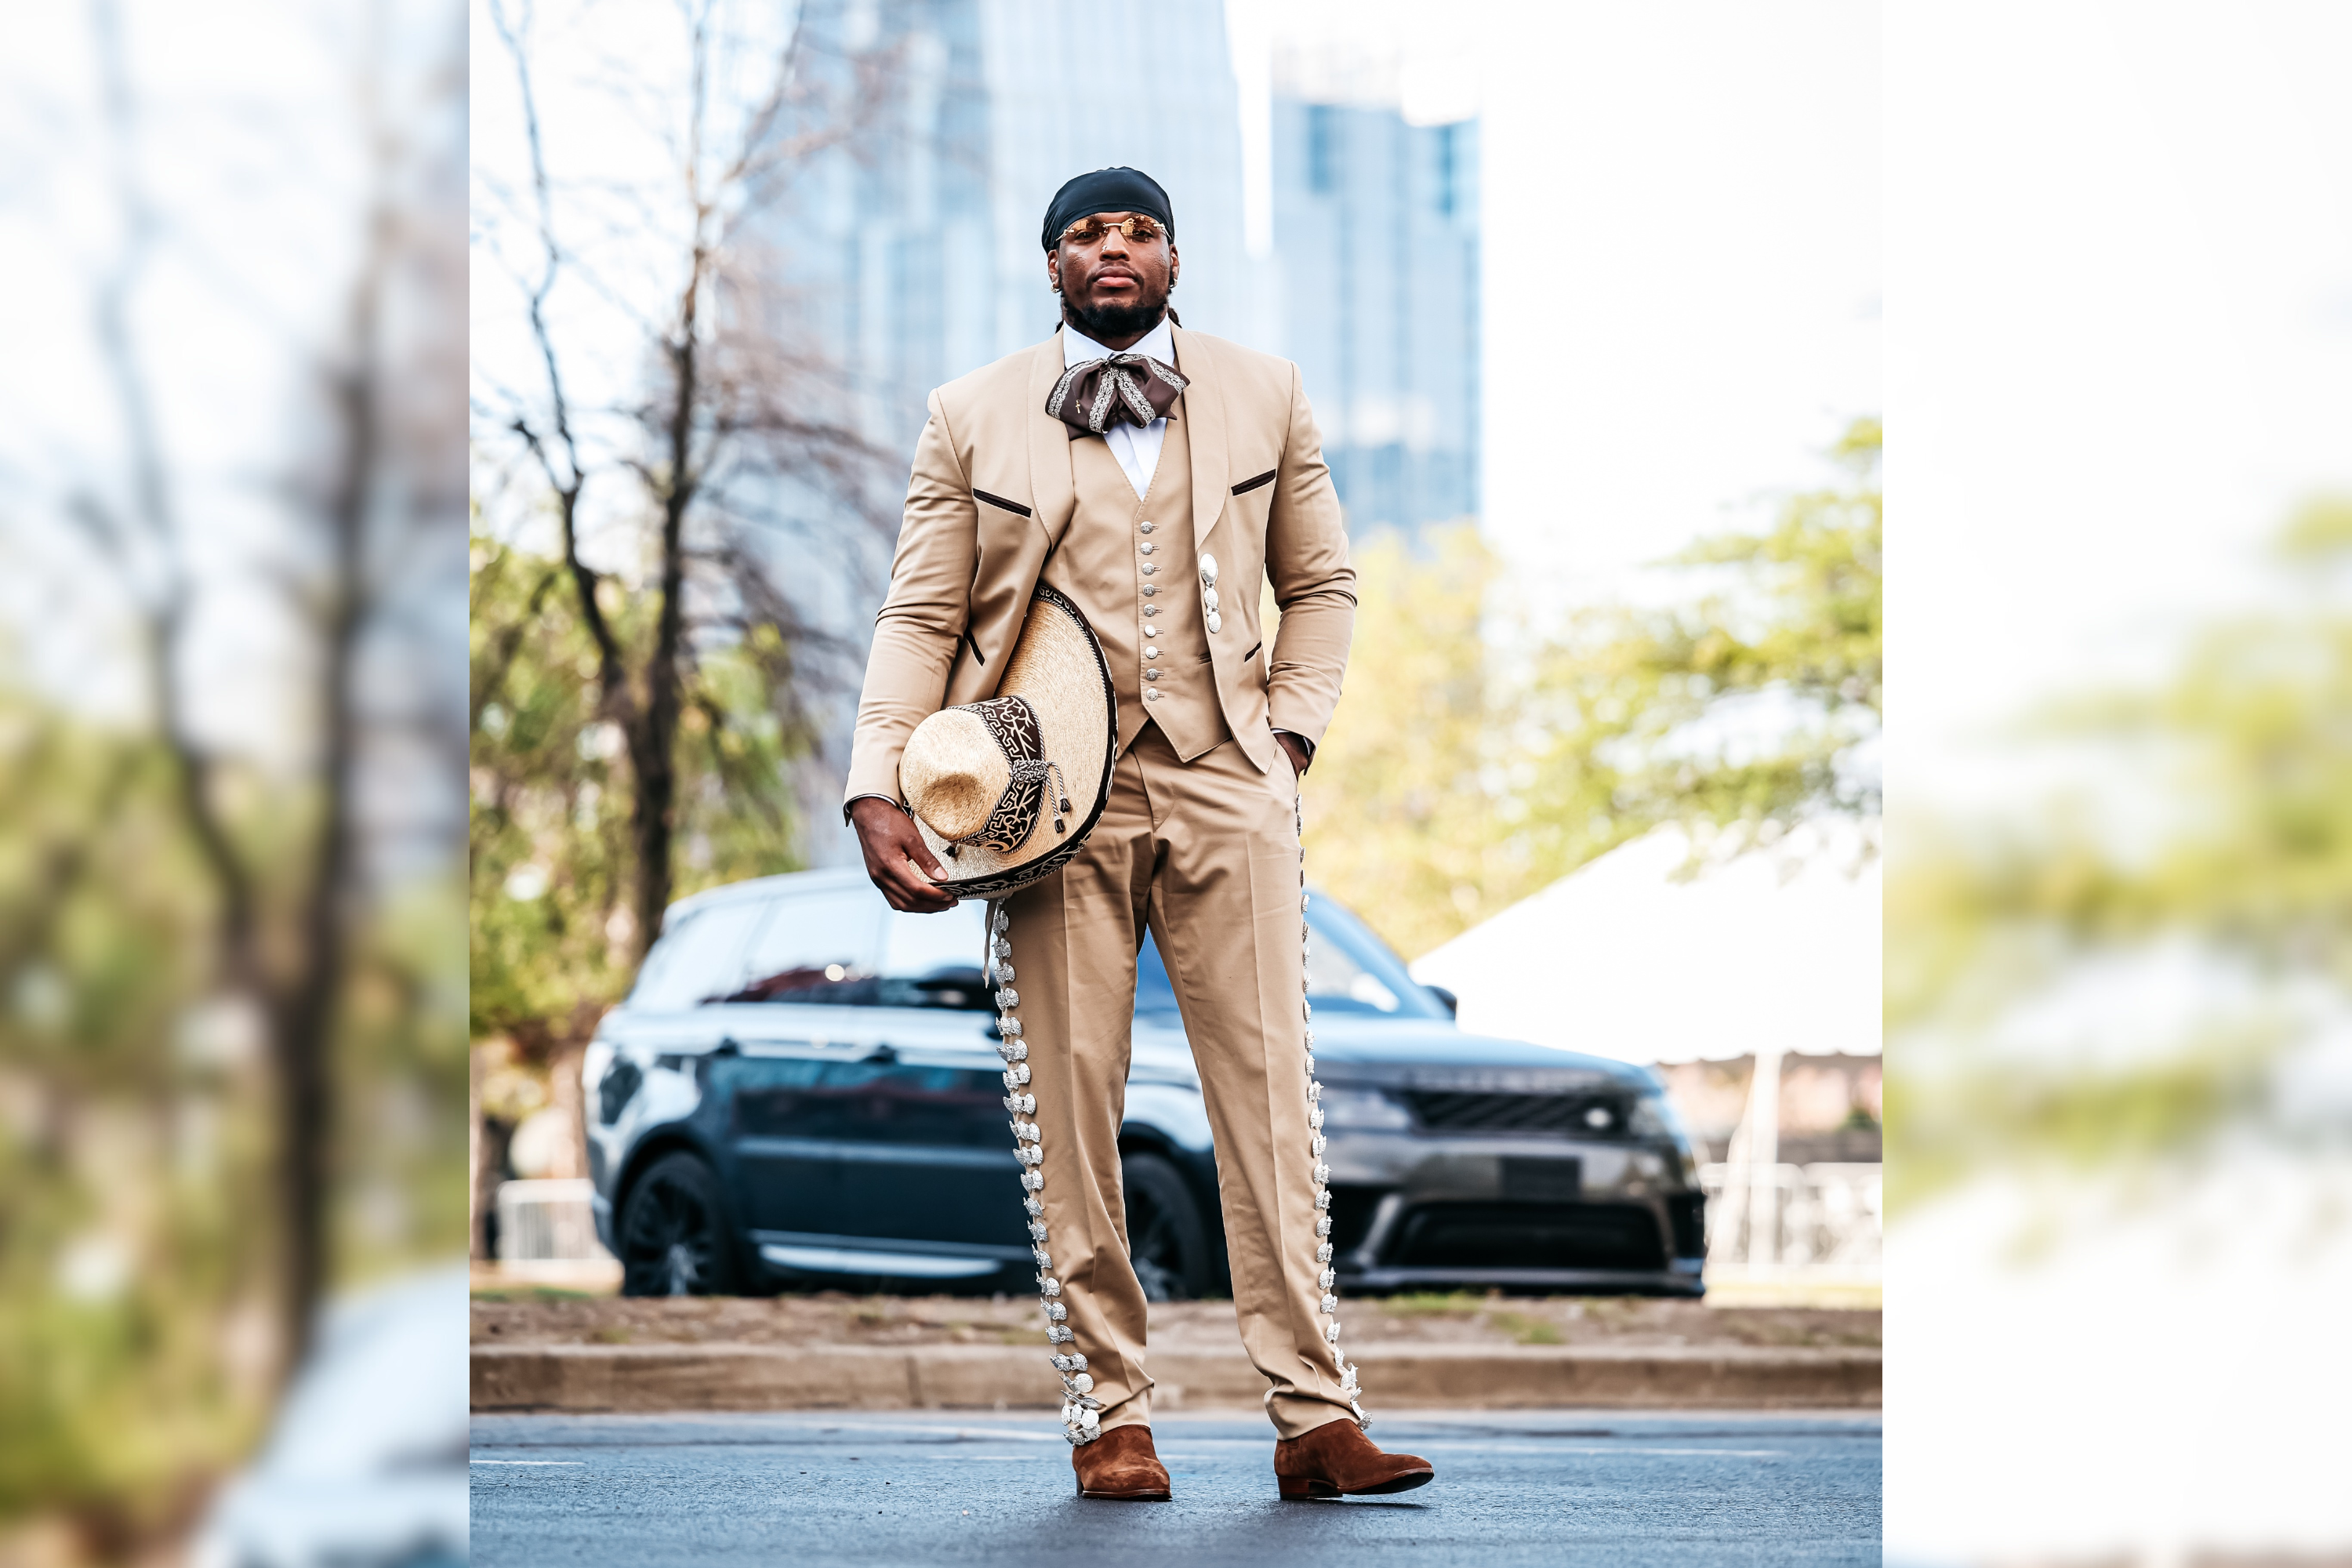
pixel 697 958
pixel 842 946
pixel 1349 970
pixel 848 949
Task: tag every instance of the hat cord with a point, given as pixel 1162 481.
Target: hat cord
pixel 1061 796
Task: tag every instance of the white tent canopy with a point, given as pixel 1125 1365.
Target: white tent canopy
pixel 1631 957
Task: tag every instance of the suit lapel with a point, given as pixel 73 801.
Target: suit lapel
pixel 1052 489
pixel 1203 411
pixel 1014 546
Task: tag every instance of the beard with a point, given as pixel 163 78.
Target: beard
pixel 1102 322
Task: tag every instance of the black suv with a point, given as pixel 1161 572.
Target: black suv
pixel 804 1086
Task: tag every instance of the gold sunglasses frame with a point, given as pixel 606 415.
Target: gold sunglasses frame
pixel 1159 231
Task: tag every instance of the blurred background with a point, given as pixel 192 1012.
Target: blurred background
pixel 231 979
pixel 1587 302
pixel 2120 1075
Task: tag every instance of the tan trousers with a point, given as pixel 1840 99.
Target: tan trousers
pixel 1206 855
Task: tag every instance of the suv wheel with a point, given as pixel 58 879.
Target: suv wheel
pixel 1164 1239
pixel 673 1233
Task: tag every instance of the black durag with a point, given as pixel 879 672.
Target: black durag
pixel 1107 191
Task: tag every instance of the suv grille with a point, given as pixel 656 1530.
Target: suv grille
pixel 1688 1210
pixel 1583 1115
pixel 1528 1235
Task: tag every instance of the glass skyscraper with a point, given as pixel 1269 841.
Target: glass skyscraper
pixel 1376 243
pixel 921 261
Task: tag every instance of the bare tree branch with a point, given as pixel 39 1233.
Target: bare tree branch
pixel 729 403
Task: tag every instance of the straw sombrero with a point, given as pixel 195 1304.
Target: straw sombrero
pixel 1005 791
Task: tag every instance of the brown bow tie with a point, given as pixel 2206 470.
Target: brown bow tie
pixel 1127 388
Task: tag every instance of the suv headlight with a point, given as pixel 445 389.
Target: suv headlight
pixel 619 1086
pixel 1364 1108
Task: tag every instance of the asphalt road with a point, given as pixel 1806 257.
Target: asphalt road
pixel 910 1487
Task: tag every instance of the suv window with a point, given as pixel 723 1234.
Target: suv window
pixel 817 947
pixel 934 961
pixel 1336 977
pixel 1351 970
pixel 1348 971
pixel 696 960
pixel 850 949
pixel 1153 993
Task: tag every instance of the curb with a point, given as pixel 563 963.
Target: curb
pixel 989 1377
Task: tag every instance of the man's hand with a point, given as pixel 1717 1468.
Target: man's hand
pixel 896 858
pixel 1296 750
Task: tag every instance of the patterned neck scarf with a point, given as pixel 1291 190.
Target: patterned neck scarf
pixel 1125 389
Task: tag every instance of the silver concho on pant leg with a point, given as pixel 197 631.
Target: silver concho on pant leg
pixel 1328 1280
pixel 1081 1417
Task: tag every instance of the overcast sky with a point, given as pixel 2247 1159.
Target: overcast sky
pixel 1680 220
pixel 2120 346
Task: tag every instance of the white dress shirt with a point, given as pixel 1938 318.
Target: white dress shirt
pixel 1138 451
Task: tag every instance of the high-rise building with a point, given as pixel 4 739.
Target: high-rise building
pixel 921 258
pixel 1376 239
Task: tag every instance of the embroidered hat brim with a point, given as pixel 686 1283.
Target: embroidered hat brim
pixel 1057 670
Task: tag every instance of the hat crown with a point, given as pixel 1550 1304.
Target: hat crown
pixel 953 773
pixel 1005 790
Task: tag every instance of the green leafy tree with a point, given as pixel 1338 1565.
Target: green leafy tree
pixel 1415 809
pixel 2240 859
pixel 1472 762
pixel 554 930
pixel 554 933
pixel 1749 705
pixel 139 1265
pixel 680 442
pixel 738 446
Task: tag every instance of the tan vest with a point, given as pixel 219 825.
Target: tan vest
pixel 1130 567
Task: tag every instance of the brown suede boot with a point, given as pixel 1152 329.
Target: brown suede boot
pixel 1120 1464
pixel 1338 1459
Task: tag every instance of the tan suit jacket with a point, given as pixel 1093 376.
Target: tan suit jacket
pixel 992 494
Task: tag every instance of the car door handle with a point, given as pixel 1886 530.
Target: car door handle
pixel 884 1054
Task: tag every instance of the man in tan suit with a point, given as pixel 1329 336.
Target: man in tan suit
pixel 1158 500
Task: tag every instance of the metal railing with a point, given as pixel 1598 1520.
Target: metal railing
pixel 1826 1216
pixel 547 1221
